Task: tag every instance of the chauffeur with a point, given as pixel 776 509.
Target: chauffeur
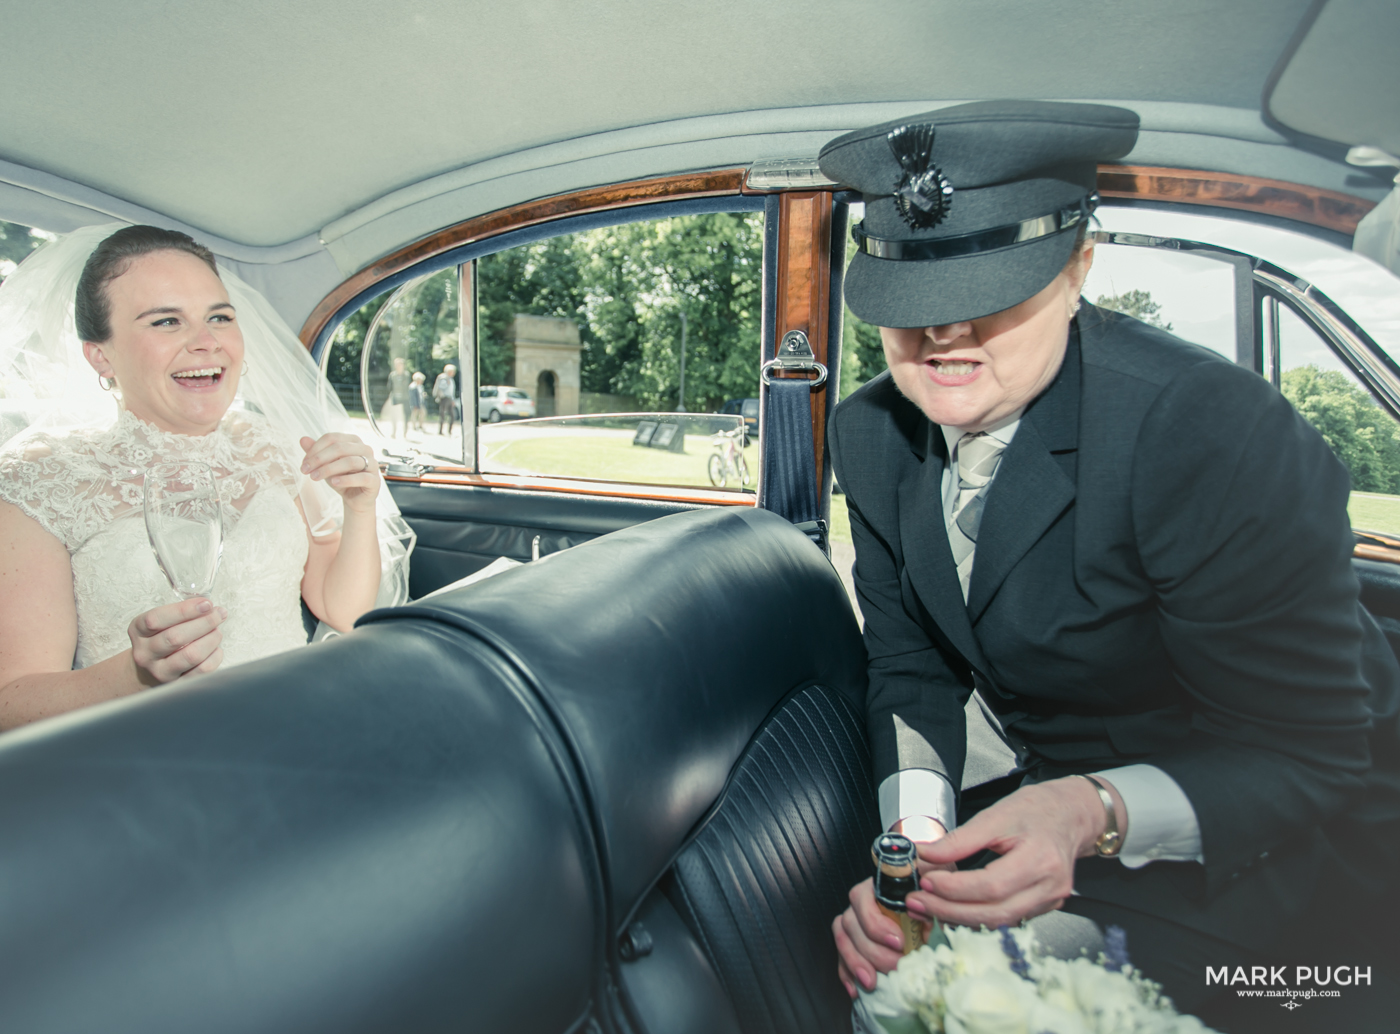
pixel 1135 554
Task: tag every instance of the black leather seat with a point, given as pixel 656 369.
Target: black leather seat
pixel 596 789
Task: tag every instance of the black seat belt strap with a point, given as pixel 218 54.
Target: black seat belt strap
pixel 789 486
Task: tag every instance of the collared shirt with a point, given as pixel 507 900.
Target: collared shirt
pixel 1161 822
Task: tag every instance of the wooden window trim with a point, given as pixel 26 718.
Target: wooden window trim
pixel 570 486
pixel 1328 209
pixel 715 183
pixel 804 291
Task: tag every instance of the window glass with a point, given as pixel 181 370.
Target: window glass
pixel 650 319
pixel 394 365
pixel 1362 435
pixel 862 354
pixel 1192 296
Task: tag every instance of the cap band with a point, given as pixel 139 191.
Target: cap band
pixel 974 243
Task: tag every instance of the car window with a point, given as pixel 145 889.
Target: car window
pixel 627 340
pixel 1190 295
pixel 655 320
pixel 373 357
pixel 1326 392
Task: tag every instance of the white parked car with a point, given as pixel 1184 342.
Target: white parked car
pixel 497 402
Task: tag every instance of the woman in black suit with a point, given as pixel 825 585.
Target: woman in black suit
pixel 1105 574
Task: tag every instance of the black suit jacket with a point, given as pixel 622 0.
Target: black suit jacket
pixel 1163 576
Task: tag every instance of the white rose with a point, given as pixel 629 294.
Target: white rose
pixel 979 952
pixel 994 1003
pixel 1055 1018
pixel 1111 1001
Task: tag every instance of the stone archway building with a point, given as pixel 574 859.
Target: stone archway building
pixel 545 346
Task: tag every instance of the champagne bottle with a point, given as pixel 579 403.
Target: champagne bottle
pixel 895 878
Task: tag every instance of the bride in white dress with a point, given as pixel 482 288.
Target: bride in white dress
pixel 85 613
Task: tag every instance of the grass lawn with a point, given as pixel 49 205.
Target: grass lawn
pixel 840 530
pixel 605 454
pixel 1372 512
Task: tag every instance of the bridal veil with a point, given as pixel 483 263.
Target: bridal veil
pixel 47 385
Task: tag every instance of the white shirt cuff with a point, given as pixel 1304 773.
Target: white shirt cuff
pixel 1162 824
pixel 919 791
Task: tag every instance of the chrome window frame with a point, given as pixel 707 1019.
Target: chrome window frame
pixel 1259 287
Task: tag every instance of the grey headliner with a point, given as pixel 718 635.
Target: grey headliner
pixel 304 140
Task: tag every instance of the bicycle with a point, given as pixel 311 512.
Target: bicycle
pixel 728 458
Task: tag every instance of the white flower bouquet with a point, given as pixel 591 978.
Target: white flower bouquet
pixel 998 982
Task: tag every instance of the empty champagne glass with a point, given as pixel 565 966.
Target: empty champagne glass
pixel 184 522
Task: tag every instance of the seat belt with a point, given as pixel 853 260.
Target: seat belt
pixel 789 485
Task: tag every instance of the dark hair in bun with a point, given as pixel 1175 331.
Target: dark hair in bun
pixel 92 308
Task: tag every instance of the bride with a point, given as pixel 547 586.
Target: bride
pixel 202 369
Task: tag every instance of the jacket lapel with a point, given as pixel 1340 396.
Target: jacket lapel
pixel 924 540
pixel 1031 488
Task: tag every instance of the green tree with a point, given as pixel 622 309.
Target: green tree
pixel 1359 432
pixel 1137 304
pixel 862 353
pixel 640 278
pixel 539 279
pixel 626 287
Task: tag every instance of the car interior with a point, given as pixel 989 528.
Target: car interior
pixel 623 787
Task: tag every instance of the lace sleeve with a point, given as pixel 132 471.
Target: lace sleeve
pixel 61 484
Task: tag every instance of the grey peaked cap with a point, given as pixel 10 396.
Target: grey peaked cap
pixel 1006 161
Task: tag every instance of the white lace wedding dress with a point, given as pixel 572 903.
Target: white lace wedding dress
pixel 86 490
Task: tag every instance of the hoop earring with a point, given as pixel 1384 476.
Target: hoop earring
pixel 105 385
pixel 245 369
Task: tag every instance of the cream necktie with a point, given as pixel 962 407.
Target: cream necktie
pixel 978 456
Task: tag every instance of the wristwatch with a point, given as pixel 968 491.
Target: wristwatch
pixel 1110 841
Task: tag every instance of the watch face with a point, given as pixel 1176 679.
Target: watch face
pixel 1109 844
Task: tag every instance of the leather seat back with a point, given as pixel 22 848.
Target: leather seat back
pixel 707 675
pixel 370 834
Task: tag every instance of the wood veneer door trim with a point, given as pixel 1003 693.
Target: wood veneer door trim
pixel 804 290
pixel 714 183
pixel 1329 209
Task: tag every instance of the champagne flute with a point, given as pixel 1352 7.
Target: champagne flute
pixel 184 521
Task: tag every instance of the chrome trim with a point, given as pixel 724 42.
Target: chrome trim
pixel 1269 333
pixel 366 349
pixel 1356 349
pixel 786 174
pixel 1350 343
pixel 794 355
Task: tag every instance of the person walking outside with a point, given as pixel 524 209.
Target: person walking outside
pixel 416 399
pixel 445 395
pixel 398 398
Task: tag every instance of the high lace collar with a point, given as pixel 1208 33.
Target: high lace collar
pixel 142 443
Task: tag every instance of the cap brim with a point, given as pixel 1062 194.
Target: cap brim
pixel 933 293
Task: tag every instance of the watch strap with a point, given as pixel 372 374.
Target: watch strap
pixel 1110 841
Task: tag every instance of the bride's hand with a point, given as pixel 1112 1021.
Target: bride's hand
pixel 177 639
pixel 347 465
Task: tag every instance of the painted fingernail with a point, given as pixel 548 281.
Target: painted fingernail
pixel 897 943
pixel 867 978
pixel 223 613
pixel 927 884
pixel 914 905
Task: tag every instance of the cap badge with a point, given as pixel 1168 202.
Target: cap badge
pixel 923 194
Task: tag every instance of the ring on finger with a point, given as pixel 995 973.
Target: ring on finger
pixel 365 461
